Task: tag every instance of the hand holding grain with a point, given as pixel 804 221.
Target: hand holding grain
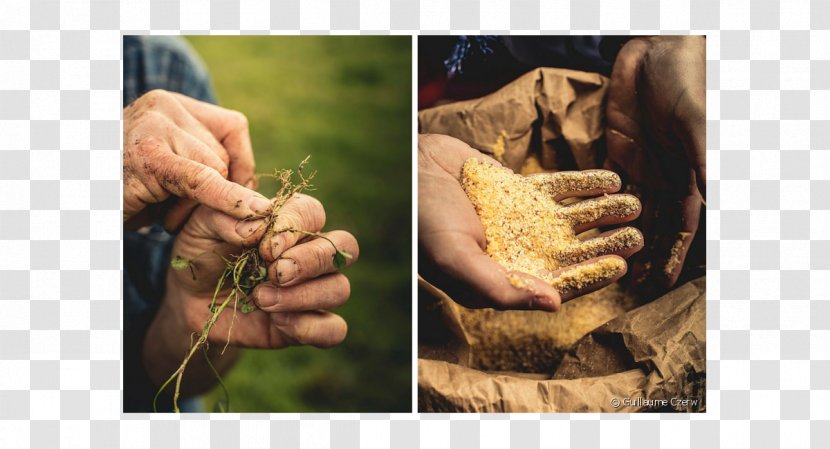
pixel 491 238
pixel 175 145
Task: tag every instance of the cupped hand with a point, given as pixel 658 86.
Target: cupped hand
pixel 181 147
pixel 452 240
pixel 656 138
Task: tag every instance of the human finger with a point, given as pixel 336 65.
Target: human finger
pixel 190 179
pixel 207 223
pixel 323 293
pixel 313 258
pixel 300 215
pixel 676 238
pixel 315 328
pixel 567 184
pixel 602 211
pixel 621 242
pixel 474 279
pixel 189 146
pixel 231 129
pixel 692 131
pixel 588 276
pixel 625 138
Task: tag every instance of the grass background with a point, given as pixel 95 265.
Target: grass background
pixel 346 101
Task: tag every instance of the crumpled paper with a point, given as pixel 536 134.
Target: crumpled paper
pixel 547 119
pixel 652 358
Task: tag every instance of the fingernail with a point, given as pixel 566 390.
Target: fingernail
pixel 287 270
pixel 276 245
pixel 246 228
pixel 267 296
pixel 260 205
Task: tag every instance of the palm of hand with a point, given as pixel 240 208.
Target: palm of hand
pixel 453 241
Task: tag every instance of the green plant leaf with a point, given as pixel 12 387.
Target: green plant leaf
pixel 340 258
pixel 180 263
pixel 246 308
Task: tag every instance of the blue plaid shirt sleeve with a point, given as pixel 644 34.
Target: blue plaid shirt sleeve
pixel 152 62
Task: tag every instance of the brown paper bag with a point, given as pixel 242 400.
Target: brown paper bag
pixel 548 119
pixel 652 358
pixel 521 361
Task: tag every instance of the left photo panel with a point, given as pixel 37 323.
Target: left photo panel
pixel 267 223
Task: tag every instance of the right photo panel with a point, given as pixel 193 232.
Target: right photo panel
pixel 561 224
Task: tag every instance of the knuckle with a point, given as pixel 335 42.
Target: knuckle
pixel 322 255
pixel 222 169
pixel 197 180
pixel 314 212
pixel 239 120
pixel 156 96
pixel 223 156
pixel 225 191
pixel 202 176
pixel 147 145
pixel 303 333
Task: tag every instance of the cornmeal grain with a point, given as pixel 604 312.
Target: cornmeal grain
pixel 529 232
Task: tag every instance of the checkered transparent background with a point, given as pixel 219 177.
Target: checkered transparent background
pixel 769 215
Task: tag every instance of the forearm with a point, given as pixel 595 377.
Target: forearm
pixel 168 342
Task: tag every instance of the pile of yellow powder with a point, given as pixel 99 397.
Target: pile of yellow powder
pixel 532 341
pixel 529 232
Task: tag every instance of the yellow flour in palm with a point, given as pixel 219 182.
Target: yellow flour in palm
pixel 528 231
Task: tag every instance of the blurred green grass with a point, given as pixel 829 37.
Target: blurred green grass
pixel 346 101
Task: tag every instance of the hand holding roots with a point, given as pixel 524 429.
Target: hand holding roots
pixel 529 230
pixel 242 273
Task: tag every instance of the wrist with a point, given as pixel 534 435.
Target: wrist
pixel 168 334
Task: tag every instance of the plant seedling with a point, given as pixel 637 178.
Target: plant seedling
pixel 242 273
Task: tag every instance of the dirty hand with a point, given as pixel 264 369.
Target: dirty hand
pixel 293 303
pixel 452 240
pixel 656 138
pixel 179 146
